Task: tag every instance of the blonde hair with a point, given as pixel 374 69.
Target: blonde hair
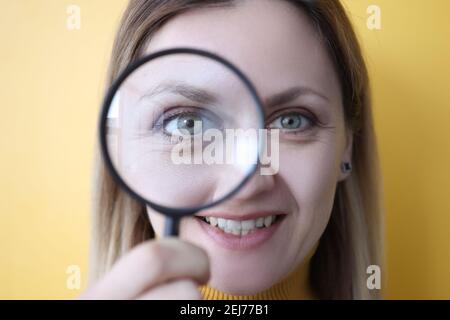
pixel 352 239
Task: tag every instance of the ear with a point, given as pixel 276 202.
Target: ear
pixel 347 155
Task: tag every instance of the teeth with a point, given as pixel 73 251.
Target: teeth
pixel 259 222
pixel 236 232
pixel 248 224
pixel 234 225
pixel 240 228
pixel 213 221
pixel 222 223
pixel 268 221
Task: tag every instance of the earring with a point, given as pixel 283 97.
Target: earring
pixel 346 167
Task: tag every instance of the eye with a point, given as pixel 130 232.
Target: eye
pixel 185 122
pixel 189 122
pixel 292 121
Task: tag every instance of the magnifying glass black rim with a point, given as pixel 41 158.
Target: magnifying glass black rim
pixel 173 212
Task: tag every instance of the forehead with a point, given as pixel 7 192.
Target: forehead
pixel 273 42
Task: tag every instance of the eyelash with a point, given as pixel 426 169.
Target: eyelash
pixel 311 117
pixel 167 115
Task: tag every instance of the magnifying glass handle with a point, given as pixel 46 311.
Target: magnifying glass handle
pixel 171 226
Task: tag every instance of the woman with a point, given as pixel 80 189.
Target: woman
pixel 327 187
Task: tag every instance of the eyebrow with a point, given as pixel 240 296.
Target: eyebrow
pixel 203 96
pixel 188 91
pixel 291 94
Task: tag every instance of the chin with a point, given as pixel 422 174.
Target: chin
pixel 244 281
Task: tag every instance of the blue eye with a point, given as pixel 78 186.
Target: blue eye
pixel 291 121
pixel 188 121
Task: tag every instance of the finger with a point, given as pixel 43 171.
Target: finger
pixel 175 290
pixel 152 263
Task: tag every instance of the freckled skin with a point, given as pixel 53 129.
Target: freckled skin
pixel 275 45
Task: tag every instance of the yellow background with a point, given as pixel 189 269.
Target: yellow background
pixel 51 84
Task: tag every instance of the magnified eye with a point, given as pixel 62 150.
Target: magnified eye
pixel 189 122
pixel 292 121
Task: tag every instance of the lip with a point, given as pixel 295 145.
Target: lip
pixel 233 242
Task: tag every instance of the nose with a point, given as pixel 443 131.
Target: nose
pixel 255 186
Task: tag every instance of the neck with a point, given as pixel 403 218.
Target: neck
pixel 294 286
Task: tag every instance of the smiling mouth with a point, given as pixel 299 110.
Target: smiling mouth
pixel 242 227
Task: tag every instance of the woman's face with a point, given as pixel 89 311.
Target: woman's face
pixel 275 45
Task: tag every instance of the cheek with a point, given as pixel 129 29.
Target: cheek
pixel 311 173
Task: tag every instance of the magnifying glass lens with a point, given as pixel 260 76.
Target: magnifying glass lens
pixel 181 130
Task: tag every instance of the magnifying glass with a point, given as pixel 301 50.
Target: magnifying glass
pixel 179 131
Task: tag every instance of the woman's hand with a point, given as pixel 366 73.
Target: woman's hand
pixel 157 269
